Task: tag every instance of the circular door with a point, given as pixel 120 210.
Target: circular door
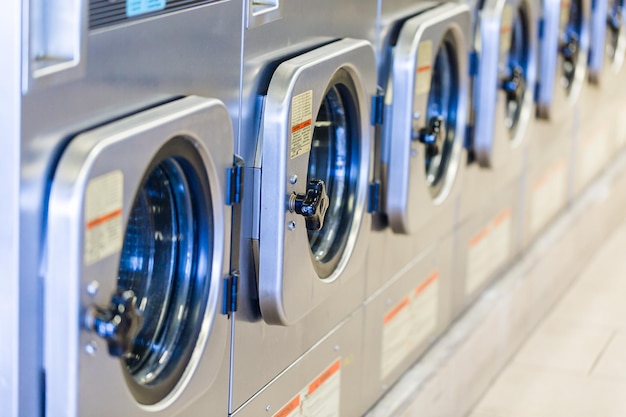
pixel 147 250
pixel 504 83
pixel 572 60
pixel 427 112
pixel 316 154
pixel 517 70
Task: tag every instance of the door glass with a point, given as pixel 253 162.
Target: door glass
pixel 439 134
pixel 334 160
pixel 159 265
pixel 513 78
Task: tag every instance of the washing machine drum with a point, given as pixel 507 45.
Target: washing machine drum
pixel 316 154
pixel 147 249
pixel 166 250
pixel 425 114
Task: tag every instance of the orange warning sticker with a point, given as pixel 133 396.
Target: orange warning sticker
pixel 432 278
pixel 488 250
pixel 301 124
pixel 397 309
pixel 289 409
pixel 423 71
pixel 103 216
pixel 506 26
pixel 325 376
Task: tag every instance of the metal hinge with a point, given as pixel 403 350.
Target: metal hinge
pixel 234 180
pixel 373 203
pixel 540 28
pixel 473 64
pixel 230 292
pixel 378 108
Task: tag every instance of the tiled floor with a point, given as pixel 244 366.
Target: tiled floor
pixel 574 364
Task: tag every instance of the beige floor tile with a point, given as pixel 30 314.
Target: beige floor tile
pixel 561 344
pixel 529 391
pixel 612 363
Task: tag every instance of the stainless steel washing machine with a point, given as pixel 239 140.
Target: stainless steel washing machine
pixel 563 54
pixel 602 97
pixel 306 137
pixel 504 74
pixel 423 67
pixel 137 247
pixel 123 177
pixel 404 317
pixel 324 381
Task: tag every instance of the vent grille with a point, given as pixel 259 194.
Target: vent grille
pixel 104 13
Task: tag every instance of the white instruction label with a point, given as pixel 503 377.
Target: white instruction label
pixel 549 194
pixel 301 124
pixel 104 199
pixel 424 69
pixel 506 28
pixel 488 250
pixel 594 153
pixel 320 398
pixel 409 323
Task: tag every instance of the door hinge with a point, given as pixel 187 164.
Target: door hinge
pixel 378 108
pixel 373 204
pixel 234 192
pixel 540 28
pixel 230 293
pixel 473 64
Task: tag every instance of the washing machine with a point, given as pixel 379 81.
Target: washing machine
pixel 423 64
pixel 405 317
pixel 126 138
pixel 306 138
pixel 563 54
pixel 602 97
pixel 503 84
pixel 423 67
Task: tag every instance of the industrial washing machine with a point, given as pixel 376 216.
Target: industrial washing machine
pixel 423 68
pixel 125 225
pixel 563 54
pixel 404 317
pixel 503 84
pixel 306 138
pixel 423 61
pixel 602 97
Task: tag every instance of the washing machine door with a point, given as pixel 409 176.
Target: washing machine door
pixel 316 149
pixel 561 74
pixel 608 40
pixel 425 119
pixel 137 245
pixel 505 47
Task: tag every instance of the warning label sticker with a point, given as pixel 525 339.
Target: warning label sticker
pixel 488 250
pixel 301 124
pixel 549 194
pixel 409 323
pixel 506 28
pixel 594 153
pixel 103 216
pixel 423 72
pixel 320 398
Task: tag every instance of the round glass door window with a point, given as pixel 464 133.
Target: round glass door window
pixel 155 317
pixel 571 26
pixel 334 166
pixel 439 135
pixel 514 75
